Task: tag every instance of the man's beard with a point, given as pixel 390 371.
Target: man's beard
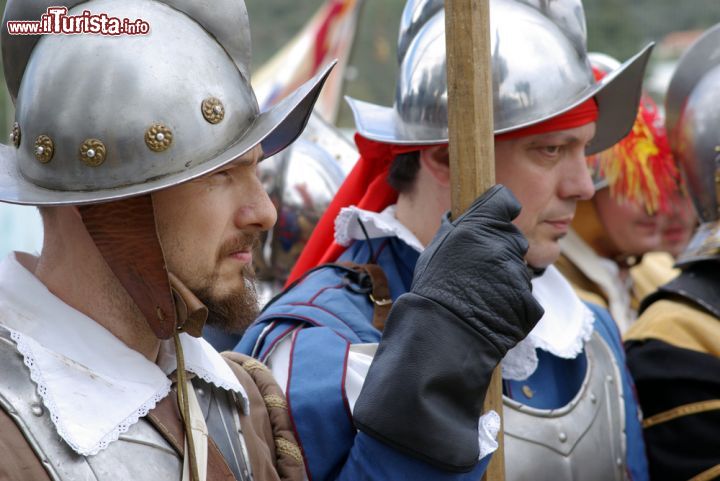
pixel 234 312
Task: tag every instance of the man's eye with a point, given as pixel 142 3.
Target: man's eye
pixel 551 149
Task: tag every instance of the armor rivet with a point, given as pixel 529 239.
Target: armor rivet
pixel 609 379
pixel 44 149
pixel 15 135
pixel 93 152
pixel 213 110
pixel 619 462
pixel 158 137
pixel 527 391
pixel 562 437
pixel 593 398
pixel 201 392
pixel 37 410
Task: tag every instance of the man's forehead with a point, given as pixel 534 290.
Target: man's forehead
pixel 583 133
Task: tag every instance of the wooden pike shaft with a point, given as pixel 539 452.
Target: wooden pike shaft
pixel 472 150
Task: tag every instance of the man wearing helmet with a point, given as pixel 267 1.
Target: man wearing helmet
pixel 457 307
pixel 673 350
pixel 140 152
pixel 634 182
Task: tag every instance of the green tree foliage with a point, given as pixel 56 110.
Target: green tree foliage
pixel 620 27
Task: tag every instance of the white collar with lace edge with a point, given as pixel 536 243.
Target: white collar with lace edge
pixel 562 331
pixel 377 224
pixel 92 384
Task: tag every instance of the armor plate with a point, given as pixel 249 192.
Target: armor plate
pixel 140 454
pixel 583 440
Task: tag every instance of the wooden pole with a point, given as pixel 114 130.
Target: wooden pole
pixel 472 150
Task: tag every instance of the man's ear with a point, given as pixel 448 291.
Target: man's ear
pixel 436 161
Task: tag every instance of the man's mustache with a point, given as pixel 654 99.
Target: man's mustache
pixel 245 241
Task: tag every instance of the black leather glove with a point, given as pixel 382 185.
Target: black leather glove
pixel 470 302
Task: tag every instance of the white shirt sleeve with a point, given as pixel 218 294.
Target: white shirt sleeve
pixel 359 359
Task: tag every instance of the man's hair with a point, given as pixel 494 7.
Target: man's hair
pixel 403 171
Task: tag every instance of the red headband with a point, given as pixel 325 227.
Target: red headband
pixel 583 114
pixel 366 186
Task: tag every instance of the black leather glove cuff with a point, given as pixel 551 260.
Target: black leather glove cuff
pixel 424 391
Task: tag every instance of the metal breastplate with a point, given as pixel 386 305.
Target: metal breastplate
pixel 140 454
pixel 584 440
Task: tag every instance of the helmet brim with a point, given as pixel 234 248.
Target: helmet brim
pixel 273 130
pixel 617 94
pixel 691 68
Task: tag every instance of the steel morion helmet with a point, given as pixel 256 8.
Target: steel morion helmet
pixel 540 70
pixel 693 126
pixel 102 118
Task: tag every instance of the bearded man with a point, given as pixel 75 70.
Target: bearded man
pixel 140 152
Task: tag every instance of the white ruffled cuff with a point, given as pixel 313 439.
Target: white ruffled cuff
pixel 488 429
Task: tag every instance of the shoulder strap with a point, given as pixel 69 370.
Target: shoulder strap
pixel 372 278
pixel 367 279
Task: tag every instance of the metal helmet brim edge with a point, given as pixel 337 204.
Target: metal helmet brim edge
pixel 691 68
pixel 617 95
pixel 273 129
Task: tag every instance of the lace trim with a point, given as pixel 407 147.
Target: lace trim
pixel 25 349
pixel 342 227
pixel 521 361
pixel 378 224
pixel 488 429
pixel 208 355
pixel 206 376
pixel 572 351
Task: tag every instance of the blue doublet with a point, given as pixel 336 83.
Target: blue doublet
pixel 324 317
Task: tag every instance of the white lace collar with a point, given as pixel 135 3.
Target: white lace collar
pixel 563 330
pixel 93 385
pixel 377 224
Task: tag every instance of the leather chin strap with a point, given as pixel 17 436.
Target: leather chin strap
pixel 126 235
